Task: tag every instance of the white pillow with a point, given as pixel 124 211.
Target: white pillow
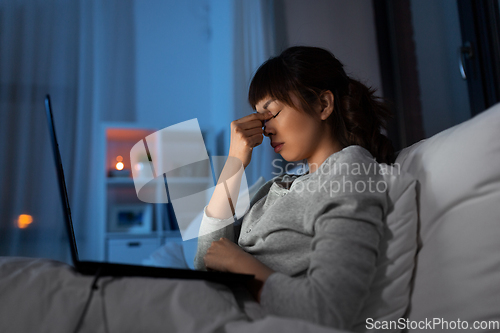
pixel 390 291
pixel 458 263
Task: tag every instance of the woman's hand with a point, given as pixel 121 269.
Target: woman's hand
pixel 247 133
pixel 225 256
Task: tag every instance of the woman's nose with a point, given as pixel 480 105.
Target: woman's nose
pixel 267 132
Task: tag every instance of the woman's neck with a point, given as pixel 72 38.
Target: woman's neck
pixel 325 150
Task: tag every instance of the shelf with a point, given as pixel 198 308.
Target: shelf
pixel 173 180
pixel 120 181
pixel 127 134
pixel 119 235
pixel 165 233
pixel 171 233
pixel 189 180
pixel 130 247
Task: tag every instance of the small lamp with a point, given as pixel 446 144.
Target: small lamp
pixel 119 170
pixel 119 164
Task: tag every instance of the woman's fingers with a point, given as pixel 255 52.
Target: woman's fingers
pixel 250 138
pixel 246 126
pixel 241 133
pixel 255 140
pixel 241 138
pixel 214 258
pixel 222 255
pixel 252 121
pixel 247 133
pixel 254 131
pixel 254 118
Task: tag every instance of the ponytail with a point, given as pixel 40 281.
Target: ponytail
pixel 363 116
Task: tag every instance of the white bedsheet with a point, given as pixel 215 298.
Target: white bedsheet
pixel 39 295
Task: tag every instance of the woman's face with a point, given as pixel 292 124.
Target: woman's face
pixel 295 134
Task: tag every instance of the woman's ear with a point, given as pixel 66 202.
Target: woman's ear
pixel 327 106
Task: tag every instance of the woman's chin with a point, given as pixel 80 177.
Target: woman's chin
pixel 290 159
pixel 284 157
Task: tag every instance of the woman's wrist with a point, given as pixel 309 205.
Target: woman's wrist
pixel 238 160
pixel 247 264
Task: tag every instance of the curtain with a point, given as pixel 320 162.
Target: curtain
pixel 81 52
pixel 254 43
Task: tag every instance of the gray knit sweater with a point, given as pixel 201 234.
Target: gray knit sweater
pixel 320 232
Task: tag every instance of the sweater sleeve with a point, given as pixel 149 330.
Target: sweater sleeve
pixel 347 231
pixel 212 230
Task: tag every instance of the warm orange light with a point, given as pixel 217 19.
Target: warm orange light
pixel 119 166
pixel 119 158
pixel 24 220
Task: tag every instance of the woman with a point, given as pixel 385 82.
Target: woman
pixel 310 240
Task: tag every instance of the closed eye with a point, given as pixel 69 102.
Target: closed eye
pixel 277 114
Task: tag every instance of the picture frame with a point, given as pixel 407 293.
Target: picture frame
pixel 131 218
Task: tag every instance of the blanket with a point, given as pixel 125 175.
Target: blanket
pixel 40 295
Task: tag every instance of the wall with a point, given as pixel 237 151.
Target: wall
pixel 346 28
pixel 172 70
pixel 443 93
pixel 179 51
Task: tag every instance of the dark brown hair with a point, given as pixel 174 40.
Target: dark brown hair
pixel 358 116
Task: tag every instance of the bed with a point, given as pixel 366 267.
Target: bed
pixel 440 260
pixel 40 295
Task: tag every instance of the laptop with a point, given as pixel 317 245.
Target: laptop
pixel 96 268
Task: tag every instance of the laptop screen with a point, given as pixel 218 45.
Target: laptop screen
pixel 157 183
